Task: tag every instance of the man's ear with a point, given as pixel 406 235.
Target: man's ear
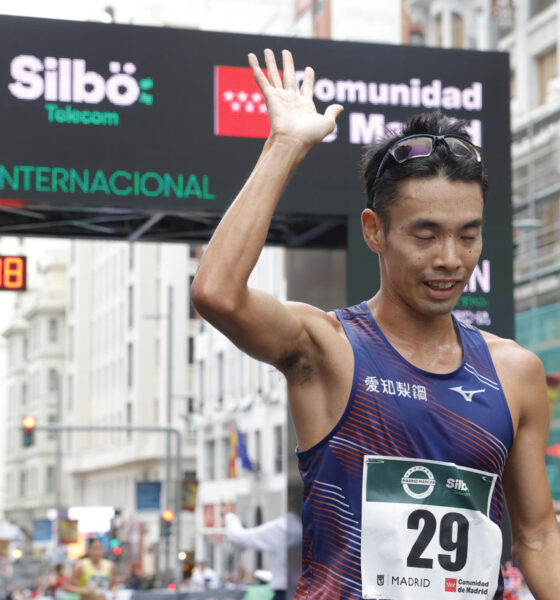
pixel 372 228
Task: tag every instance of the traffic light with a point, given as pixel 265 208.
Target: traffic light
pixel 115 545
pixel 28 424
pixel 166 522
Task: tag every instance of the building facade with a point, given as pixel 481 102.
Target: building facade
pixel 122 331
pixel 35 345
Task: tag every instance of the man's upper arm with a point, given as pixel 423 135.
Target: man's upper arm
pixel 525 479
pixel 262 326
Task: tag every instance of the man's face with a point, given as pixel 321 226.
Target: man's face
pixel 433 243
pixel 96 550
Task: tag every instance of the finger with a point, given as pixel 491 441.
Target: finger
pixel 271 69
pixel 259 76
pixel 288 71
pixel 333 110
pixel 308 82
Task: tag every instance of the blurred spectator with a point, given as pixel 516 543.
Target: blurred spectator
pixel 274 537
pixel 204 577
pixel 135 579
pixel 55 581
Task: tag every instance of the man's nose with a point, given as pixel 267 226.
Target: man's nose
pixel 448 256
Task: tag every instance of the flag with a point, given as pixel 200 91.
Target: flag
pixel 239 106
pixel 242 452
pixel 237 450
pixel 233 449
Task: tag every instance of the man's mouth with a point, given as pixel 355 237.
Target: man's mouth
pixel 441 285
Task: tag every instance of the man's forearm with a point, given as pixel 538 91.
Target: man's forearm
pixel 239 239
pixel 539 562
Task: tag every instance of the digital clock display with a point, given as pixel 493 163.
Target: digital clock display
pixel 13 273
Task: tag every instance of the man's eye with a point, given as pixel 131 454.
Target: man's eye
pixel 425 238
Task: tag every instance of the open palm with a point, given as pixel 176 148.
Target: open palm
pixel 292 113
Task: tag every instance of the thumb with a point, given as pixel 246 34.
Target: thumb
pixel 333 111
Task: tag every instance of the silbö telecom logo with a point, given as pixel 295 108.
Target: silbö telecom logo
pixel 68 80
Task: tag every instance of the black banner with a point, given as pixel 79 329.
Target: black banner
pixel 113 117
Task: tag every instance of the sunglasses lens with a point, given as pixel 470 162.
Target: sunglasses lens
pixel 462 148
pixel 420 146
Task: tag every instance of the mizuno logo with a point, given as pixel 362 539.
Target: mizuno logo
pixel 467 394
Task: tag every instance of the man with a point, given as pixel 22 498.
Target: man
pixel 93 576
pixel 410 425
pixel 203 577
pixel 275 537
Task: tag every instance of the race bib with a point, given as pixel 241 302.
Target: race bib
pixel 426 531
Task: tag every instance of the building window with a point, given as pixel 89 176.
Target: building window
pixel 53 380
pixel 156 411
pixel 130 306
pixel 35 384
pixel 201 385
pixel 439 30
pixel 258 451
pixel 192 311
pixel 210 460
pixel 278 449
pixel 458 31
pixel 49 479
pixel 25 347
pixel 242 374
pixel 260 378
pixel 130 256
pixel 190 347
pixel 71 293
pixel 51 435
pixel 547 69
pixel 32 480
pixel 226 456
pixel 22 483
pixel 129 419
pixel 53 330
pixel 129 366
pixel 70 392
pixel 70 342
pixel 258 521
pixel 221 378
pixel 24 393
pixel 10 485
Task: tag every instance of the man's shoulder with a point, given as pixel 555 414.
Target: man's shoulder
pixel 511 358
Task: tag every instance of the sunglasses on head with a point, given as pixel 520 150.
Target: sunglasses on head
pixel 423 144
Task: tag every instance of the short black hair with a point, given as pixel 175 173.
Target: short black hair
pixel 441 163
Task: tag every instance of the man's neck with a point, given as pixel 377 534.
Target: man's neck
pixel 429 342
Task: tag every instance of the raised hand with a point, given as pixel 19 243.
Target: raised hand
pixel 292 113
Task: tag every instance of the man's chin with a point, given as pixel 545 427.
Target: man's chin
pixel 438 309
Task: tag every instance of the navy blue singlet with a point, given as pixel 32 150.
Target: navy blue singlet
pixel 395 409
